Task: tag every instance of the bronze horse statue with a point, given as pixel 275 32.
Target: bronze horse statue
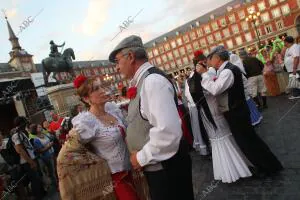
pixel 58 64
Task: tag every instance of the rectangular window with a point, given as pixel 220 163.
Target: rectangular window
pixel 176 53
pixel 164 58
pixel 265 17
pixel 167 46
pixel 285 9
pixel 239 40
pixel 199 32
pixel 248 37
pixel 196 45
pixel 231 18
pixel 179 62
pixel 268 29
pixel 279 25
pixel 245 25
pixel 261 6
pixel 186 38
pixel 235 29
pixel 191 56
pixel 155 52
pixel 173 44
pixel 276 13
pixel 218 36
pixel 242 14
pixel 179 41
pixel 210 39
pixel 158 61
pixel 203 42
pixel 251 9
pixel 161 49
pixel 189 48
pixel 167 66
pixel 223 22
pixel 170 56
pixel 185 60
pixel 182 51
pixel 207 29
pixel 193 35
pixel 226 32
pixel 215 26
pixel 273 2
pixel 229 44
pixel 259 32
pixel 173 65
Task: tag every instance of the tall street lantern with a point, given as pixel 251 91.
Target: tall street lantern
pixel 253 18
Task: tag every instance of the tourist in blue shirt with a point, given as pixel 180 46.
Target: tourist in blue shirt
pixel 43 145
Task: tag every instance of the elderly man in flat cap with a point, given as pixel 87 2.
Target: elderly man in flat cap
pixel 154 134
pixel 229 90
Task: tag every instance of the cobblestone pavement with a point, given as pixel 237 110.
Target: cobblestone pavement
pixel 280 129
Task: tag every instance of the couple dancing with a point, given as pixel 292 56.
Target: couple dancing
pixel 222 115
pixel 97 160
pixel 103 148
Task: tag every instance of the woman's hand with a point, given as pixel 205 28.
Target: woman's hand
pixel 133 159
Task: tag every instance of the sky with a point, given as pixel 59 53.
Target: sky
pixel 88 26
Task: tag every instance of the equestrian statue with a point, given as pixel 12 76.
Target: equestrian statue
pixel 57 62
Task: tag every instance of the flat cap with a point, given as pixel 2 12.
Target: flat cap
pixel 131 41
pixel 289 39
pixel 243 53
pixel 219 50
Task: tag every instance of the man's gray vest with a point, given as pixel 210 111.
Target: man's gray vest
pixel 138 128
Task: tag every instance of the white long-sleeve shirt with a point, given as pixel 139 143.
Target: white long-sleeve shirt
pixel 158 107
pixel 225 80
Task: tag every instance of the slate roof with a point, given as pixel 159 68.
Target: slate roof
pixel 218 12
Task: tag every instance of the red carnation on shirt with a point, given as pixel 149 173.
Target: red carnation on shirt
pixel 215 78
pixel 131 93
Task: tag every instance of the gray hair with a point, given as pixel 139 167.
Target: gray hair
pixel 139 52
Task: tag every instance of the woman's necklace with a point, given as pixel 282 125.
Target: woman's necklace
pixel 106 119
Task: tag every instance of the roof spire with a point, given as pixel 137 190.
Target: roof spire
pixel 12 37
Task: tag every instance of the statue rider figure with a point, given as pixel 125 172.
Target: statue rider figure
pixel 54 49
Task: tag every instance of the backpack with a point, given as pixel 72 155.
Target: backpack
pixel 10 154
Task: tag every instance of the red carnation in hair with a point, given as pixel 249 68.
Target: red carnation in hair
pixel 198 53
pixel 79 80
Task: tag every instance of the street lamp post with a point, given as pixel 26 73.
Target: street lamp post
pixel 253 18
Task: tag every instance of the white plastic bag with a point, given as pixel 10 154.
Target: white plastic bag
pixel 294 81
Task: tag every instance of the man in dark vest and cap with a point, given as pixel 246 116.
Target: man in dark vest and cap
pixel 154 135
pixel 229 90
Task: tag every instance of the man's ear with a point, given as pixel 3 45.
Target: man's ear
pixel 131 57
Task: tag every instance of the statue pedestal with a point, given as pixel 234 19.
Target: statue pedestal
pixel 63 98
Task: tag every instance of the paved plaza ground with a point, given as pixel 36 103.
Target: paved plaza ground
pixel 280 129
